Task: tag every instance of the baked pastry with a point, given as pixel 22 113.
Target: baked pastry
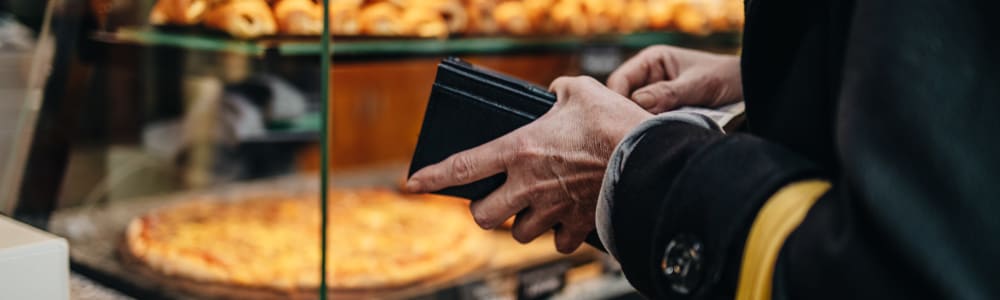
pixel 452 11
pixel 634 17
pixel 601 15
pixel 242 19
pixel 424 22
pixel 512 17
pixel 538 11
pixel 382 19
pixel 344 17
pixel 268 247
pixel 180 12
pixel 661 13
pixel 299 17
pixel 568 16
pixel 736 13
pixel 690 17
pixel 158 16
pixel 481 17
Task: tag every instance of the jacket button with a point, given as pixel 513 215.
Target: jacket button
pixel 681 264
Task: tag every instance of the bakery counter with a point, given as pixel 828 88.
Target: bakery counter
pixel 509 270
pixel 83 288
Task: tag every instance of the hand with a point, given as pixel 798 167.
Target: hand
pixel 554 165
pixel 662 78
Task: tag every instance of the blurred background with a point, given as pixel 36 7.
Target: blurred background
pixel 112 108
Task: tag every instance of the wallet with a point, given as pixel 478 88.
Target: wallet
pixel 470 106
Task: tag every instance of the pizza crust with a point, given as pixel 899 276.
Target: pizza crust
pixel 255 248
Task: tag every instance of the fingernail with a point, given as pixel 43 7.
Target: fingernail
pixel 413 186
pixel 644 99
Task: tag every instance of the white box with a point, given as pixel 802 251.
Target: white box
pixel 33 264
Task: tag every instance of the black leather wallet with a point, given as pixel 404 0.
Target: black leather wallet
pixel 468 107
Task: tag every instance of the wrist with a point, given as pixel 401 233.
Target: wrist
pixel 622 126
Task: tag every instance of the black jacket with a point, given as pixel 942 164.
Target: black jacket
pixel 895 102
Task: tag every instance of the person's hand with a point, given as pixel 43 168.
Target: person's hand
pixel 554 165
pixel 662 78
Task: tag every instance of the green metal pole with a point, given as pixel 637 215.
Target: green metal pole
pixel 324 142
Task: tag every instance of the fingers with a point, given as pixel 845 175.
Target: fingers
pixel 569 238
pixel 566 85
pixel 497 207
pixel 645 67
pixel 462 168
pixel 665 95
pixel 530 224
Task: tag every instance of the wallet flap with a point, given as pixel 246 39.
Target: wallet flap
pixel 468 107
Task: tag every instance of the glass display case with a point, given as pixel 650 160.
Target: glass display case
pixel 255 148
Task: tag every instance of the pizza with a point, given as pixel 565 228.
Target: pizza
pixel 269 247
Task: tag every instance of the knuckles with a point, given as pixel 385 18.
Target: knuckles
pixel 521 235
pixel 462 168
pixel 565 86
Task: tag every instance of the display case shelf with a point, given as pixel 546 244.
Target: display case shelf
pixel 306 128
pixel 353 47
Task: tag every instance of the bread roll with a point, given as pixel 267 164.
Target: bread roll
pixel 736 14
pixel 512 18
pixel 180 12
pixel 481 17
pixel 690 17
pixel 356 3
pixel 661 13
pixel 242 19
pixel 452 11
pixel 715 12
pixel 634 17
pixel 299 17
pixel 569 17
pixel 602 16
pixel 158 16
pixel 424 22
pixel 539 12
pixel 381 19
pixel 345 17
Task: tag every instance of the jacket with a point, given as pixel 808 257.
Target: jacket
pixel 870 167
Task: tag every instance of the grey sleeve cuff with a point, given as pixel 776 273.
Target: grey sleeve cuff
pixel 605 203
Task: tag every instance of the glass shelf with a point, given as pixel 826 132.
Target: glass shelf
pixel 307 128
pixel 349 47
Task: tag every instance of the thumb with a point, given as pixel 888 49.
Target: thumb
pixel 664 95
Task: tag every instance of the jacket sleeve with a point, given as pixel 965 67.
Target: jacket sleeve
pixel 911 215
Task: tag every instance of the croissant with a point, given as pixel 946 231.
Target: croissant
pixel 181 12
pixel 538 13
pixel 158 16
pixel 344 17
pixel 356 3
pixel 602 15
pixel 452 11
pixel 299 17
pixel 242 19
pixel 424 22
pixel 735 12
pixel 568 16
pixel 381 18
pixel 634 17
pixel 512 17
pixel 661 13
pixel 481 17
pixel 691 18
pixel 715 12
